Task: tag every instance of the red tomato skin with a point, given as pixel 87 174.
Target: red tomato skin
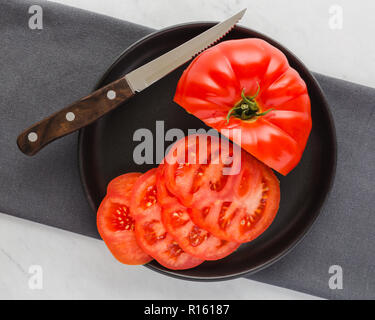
pixel 150 217
pixel 212 85
pixel 184 231
pixel 122 244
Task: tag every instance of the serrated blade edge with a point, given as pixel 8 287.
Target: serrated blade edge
pixel 156 69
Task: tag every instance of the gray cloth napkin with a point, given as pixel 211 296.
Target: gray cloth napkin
pixel 45 70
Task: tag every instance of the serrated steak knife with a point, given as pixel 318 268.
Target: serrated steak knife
pixel 100 102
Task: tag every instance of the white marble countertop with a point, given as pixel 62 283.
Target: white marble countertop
pixel 77 267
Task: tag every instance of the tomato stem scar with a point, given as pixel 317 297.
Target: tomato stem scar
pixel 247 108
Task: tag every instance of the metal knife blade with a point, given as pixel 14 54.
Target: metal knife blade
pixel 156 69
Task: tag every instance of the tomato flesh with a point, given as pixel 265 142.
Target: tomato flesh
pixel 150 231
pixel 201 177
pixel 119 189
pixel 116 227
pixel 248 212
pixel 191 238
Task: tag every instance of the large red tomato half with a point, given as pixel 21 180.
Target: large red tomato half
pixel 247 84
pixel 150 232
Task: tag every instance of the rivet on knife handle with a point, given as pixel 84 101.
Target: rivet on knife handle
pixel 74 117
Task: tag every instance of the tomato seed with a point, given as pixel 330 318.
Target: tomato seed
pixel 150 197
pixel 122 220
pixel 196 236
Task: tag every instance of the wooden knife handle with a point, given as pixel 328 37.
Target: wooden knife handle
pixel 74 117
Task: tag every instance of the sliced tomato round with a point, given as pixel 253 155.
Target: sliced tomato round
pixel 119 189
pixel 236 206
pixel 191 238
pixel 116 227
pixel 250 209
pixel 198 166
pixel 150 232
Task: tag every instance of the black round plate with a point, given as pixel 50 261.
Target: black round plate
pixel 106 151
